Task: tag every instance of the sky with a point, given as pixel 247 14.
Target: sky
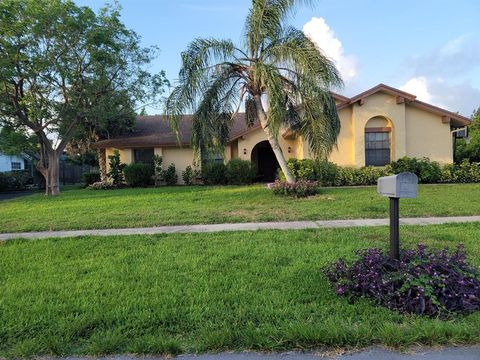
pixel 430 48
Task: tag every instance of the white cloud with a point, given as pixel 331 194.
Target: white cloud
pixel 462 97
pixel 418 86
pixel 323 36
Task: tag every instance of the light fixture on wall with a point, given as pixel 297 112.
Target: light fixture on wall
pixel 244 151
pixel 289 149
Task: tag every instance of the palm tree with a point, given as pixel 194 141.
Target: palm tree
pixel 280 76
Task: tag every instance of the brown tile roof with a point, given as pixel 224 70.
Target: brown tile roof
pixel 457 120
pixel 155 131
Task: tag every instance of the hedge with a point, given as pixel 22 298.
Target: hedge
pixel 14 180
pixel 138 174
pixel 330 174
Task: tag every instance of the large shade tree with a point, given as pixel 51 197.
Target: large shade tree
pixel 63 69
pixel 282 78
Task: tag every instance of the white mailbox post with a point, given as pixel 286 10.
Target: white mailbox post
pixel 403 185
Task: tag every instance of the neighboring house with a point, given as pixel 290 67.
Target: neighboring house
pixel 13 162
pixel 377 126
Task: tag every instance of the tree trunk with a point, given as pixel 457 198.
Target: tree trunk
pixel 49 167
pixel 277 150
pixel 102 164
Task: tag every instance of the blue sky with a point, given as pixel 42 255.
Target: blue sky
pixel 430 48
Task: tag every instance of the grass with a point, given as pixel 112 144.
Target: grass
pixel 177 293
pixel 88 209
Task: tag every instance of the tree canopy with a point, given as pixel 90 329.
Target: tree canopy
pixel 66 70
pixel 470 150
pixel 281 77
pixel 14 142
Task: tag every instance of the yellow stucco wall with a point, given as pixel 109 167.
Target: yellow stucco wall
pixel 249 141
pixel 344 153
pixel 126 156
pixel 428 136
pixel 181 157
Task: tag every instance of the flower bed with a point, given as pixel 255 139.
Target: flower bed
pixel 425 283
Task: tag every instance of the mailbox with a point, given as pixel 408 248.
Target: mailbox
pixel 403 185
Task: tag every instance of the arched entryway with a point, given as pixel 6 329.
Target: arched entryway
pixel 264 161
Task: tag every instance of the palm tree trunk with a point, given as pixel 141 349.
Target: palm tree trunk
pixel 277 150
pixel 102 164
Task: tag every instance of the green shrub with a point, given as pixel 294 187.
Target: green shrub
pixel 116 168
pixel 213 173
pixel 14 180
pixel 327 173
pixel 239 172
pixel 138 174
pixel 90 178
pixel 157 170
pixel 187 175
pixel 464 172
pixel 426 170
pixel 170 175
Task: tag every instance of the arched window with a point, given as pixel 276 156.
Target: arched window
pixel 377 142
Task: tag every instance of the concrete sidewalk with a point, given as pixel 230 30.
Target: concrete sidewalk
pixel 453 353
pixel 291 225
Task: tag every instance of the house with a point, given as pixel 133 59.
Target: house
pixel 14 162
pixel 378 126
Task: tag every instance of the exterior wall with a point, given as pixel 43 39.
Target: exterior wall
pixel 428 136
pixel 6 162
pixel 249 141
pixel 379 105
pixel 344 153
pixel 126 156
pixel 181 157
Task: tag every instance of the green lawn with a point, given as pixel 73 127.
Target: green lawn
pixel 206 292
pixel 88 209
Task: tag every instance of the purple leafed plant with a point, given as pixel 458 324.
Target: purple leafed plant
pixel 425 283
pixel 301 188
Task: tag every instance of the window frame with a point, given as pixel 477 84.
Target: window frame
pixel 378 152
pixel 14 168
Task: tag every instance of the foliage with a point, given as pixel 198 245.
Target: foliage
pixel 298 189
pixel 15 141
pixel 471 150
pixel 138 174
pixel 72 72
pixel 214 173
pixel 188 175
pixel 426 170
pixel 90 178
pixel 330 174
pixel 421 282
pixel 277 62
pixel 157 169
pixel 464 172
pixel 170 175
pixel 14 180
pixel 239 172
pixel 116 168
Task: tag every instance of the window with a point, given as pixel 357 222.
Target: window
pixel 16 165
pixel 377 148
pixel 144 156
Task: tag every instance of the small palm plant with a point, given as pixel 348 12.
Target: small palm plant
pixel 280 76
